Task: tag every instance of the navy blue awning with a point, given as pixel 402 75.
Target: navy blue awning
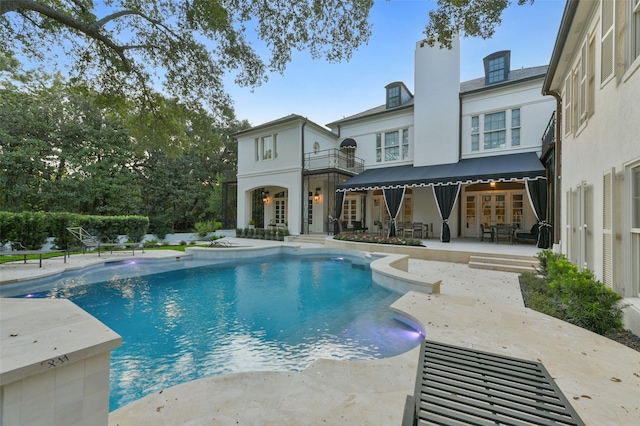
pixel 348 143
pixel 497 168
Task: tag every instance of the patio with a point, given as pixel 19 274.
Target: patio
pixel 479 309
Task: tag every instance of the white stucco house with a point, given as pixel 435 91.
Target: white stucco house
pixel 468 152
pixel 594 74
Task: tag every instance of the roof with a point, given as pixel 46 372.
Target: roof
pixel 508 167
pixel 515 76
pixel 565 35
pixel 382 109
pixel 284 120
pixel 475 85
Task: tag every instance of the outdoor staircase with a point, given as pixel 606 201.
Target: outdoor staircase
pixel 306 238
pixel 504 262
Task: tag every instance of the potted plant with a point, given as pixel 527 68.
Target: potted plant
pixel 252 224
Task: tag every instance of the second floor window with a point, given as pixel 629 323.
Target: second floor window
pixel 494 130
pixel 515 127
pixel 266 147
pixel 392 149
pixel 475 133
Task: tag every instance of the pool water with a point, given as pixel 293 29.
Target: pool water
pixel 280 313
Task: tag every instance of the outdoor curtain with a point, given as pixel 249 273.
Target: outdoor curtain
pixel 338 212
pixel 537 190
pixel 446 196
pixel 393 200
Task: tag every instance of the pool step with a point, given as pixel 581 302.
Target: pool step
pixel 306 238
pixel 504 262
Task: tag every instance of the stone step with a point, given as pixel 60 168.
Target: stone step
pixel 504 262
pixel 313 239
pixel 527 261
pixel 501 267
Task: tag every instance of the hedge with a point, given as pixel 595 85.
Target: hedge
pixel 32 228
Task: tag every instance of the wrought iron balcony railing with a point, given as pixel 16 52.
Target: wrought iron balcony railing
pixel 333 159
pixel 549 135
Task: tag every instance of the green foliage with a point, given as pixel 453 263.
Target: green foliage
pixel 544 257
pixel 151 243
pixel 58 224
pixel 468 18
pixel 160 226
pixel 30 229
pixel 204 228
pixel 115 47
pixel 573 295
pixel 366 238
pixel 66 148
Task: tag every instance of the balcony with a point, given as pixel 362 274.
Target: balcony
pixel 333 159
pixel 549 135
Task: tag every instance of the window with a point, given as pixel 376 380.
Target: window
pixel 496 70
pixel 475 133
pixel 591 76
pixel 266 147
pixel 635 31
pixel 607 47
pixel 567 98
pixel 391 150
pixel 494 130
pixel 515 127
pixel 582 85
pixel 391 146
pixel 393 96
pixel 316 147
pixel 405 144
pixel 496 67
pixel 635 195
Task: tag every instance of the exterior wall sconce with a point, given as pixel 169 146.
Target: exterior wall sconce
pixel 265 197
pixel 492 184
pixel 316 196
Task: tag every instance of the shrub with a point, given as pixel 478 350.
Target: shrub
pixel 204 228
pixel 544 257
pixel 573 295
pixel 366 238
pixel 161 226
pixel 151 243
pixel 239 232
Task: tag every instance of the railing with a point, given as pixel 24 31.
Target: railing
pixel 549 135
pixel 333 159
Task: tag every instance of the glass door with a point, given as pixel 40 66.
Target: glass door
pixel 471 228
pixel 494 209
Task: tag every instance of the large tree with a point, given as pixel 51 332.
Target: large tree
pixel 466 18
pixel 185 46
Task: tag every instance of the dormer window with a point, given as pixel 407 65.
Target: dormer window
pixel 397 94
pixel 393 96
pixel 496 67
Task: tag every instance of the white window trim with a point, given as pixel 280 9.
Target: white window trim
pixel 259 147
pixel 633 64
pixel 631 286
pixel 518 127
pixel 381 137
pixel 504 129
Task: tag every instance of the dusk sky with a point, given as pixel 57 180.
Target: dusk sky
pixel 325 92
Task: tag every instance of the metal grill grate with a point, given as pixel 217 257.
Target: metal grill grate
pixel 463 386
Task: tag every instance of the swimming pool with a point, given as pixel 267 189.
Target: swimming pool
pixel 275 313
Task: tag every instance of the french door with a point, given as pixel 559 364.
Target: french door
pixel 494 209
